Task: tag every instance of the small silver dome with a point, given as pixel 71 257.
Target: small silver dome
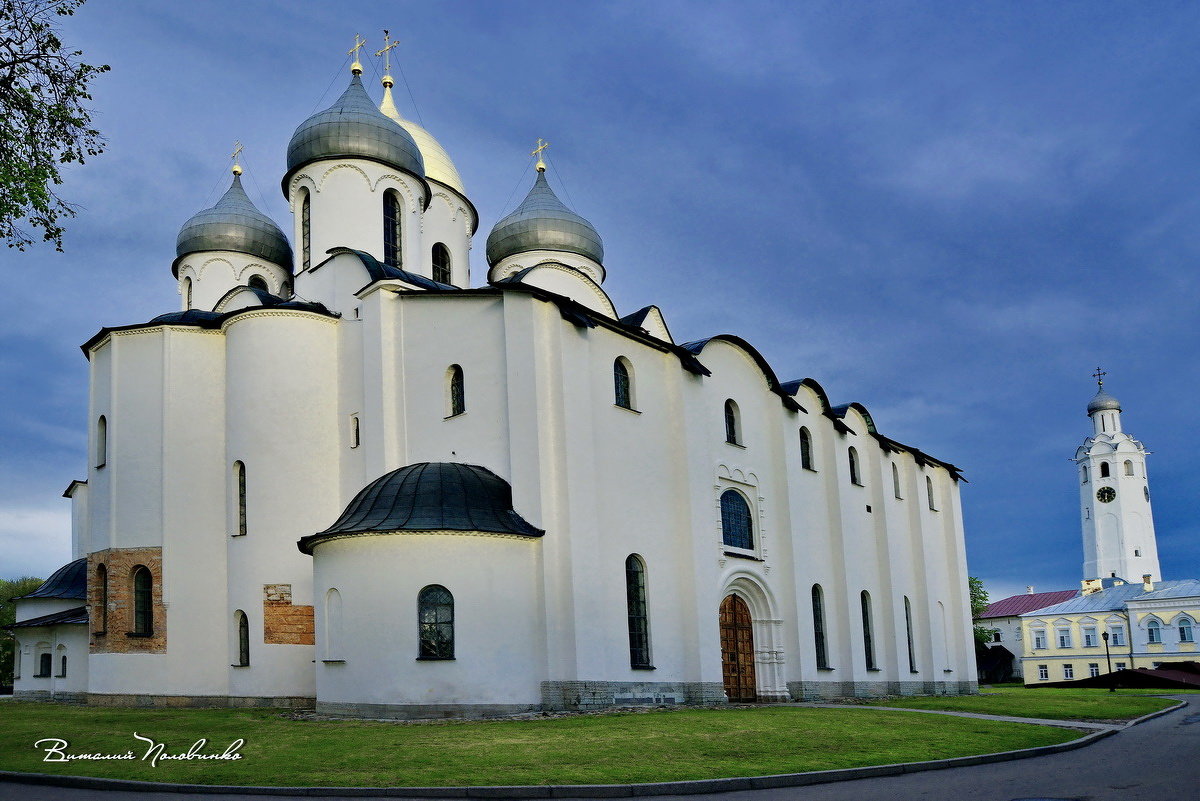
pixel 1103 402
pixel 354 127
pixel 235 224
pixel 542 222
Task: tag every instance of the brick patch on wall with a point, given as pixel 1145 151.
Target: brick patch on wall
pixel 284 623
pixel 120 563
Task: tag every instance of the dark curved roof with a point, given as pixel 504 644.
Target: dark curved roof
pixel 380 271
pixel 354 127
pixel 429 496
pixel 542 222
pixel 768 373
pixel 236 224
pixel 841 410
pixel 69 581
pixel 77 615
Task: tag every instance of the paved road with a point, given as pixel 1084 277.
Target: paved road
pixel 1156 761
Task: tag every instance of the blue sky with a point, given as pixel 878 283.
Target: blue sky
pixel 950 212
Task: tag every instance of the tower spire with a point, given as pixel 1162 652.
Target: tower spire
pixel 537 151
pixel 357 66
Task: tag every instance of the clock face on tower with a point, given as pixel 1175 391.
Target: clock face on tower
pixel 1105 494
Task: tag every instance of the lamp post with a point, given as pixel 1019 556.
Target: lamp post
pixel 1108 658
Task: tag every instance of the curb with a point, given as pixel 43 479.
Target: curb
pixel 1153 715
pixel 696 787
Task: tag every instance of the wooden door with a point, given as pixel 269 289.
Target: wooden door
pixel 737 650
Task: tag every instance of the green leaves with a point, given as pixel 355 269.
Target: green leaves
pixel 43 120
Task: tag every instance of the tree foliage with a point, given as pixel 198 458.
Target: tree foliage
pixel 11 588
pixel 43 120
pixel 979 602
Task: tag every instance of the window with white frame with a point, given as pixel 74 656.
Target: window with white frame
pixel 1043 672
pixel 1068 671
pixel 1039 639
pixel 1119 665
pixel 1064 637
pixel 1090 640
pixel 1093 669
pixel 1185 629
pixel 1116 633
pixel 1154 631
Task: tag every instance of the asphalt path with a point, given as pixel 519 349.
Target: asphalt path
pixel 1156 761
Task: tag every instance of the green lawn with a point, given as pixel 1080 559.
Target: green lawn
pixel 1053 703
pixel 617 748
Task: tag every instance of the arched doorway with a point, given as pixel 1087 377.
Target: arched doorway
pixel 737 650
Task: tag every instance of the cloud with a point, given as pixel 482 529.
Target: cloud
pixel 34 540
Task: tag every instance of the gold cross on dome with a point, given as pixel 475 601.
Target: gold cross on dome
pixel 356 67
pixel 237 151
pixel 388 44
pixel 1099 376
pixel 537 151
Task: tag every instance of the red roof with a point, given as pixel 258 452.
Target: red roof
pixel 1027 602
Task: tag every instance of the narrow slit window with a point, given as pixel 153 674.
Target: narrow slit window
pixel 622 384
pixel 456 390
pixel 435 621
pixel 102 580
pixel 733 433
pixel 441 264
pixel 929 493
pixel 392 220
pixel 637 613
pixel 896 482
pixel 243 638
pixel 852 458
pixel 239 478
pixel 305 232
pixel 868 629
pixel 819 641
pixel 101 442
pixel 908 625
pixel 143 612
pixel 354 431
pixel 806 454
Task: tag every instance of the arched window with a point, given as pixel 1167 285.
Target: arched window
pixel 737 531
pixel 143 612
pixel 435 619
pixel 818 610
pixel 1128 467
pixel 929 493
pixel 354 431
pixel 62 665
pixel 456 391
pixel 912 651
pixel 1105 471
pixel 101 442
pixel 868 629
pixel 639 621
pixel 1154 630
pixel 102 581
pixel 258 282
pixel 622 383
pixel 243 638
pixel 239 479
pixel 733 423
pixel 44 666
pixel 187 293
pixel 305 231
pixel 441 264
pixel 392 242
pixel 1084 473
pixel 333 624
pixel 852 456
pixel 1185 629
pixel 806 456
pixel 896 481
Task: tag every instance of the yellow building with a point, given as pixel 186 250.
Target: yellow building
pixel 1147 623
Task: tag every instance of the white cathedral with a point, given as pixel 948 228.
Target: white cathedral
pixel 347 474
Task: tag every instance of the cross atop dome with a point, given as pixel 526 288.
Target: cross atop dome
pixel 537 151
pixel 1099 376
pixel 357 66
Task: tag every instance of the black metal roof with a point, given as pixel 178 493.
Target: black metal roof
pixel 69 581
pixel 380 271
pixel 429 496
pixel 77 615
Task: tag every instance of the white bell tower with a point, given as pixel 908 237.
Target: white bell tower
pixel 1114 497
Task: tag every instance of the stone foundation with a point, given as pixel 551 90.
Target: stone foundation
pixel 422 711
pixel 585 695
pixel 835 690
pixel 199 701
pixel 50 697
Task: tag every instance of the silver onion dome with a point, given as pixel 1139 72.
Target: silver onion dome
pixel 353 127
pixel 1103 402
pixel 235 224
pixel 542 222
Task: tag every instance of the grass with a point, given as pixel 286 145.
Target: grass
pixel 604 749
pixel 1052 703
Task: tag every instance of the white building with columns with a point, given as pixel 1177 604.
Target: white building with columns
pixel 348 471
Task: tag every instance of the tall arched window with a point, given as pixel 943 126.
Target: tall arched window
pixel 929 493
pixel 441 264
pixel 1084 473
pixel 258 282
pixel 818 609
pixel 101 442
pixel 456 391
pixel 187 293
pixel 733 423
pixel 435 619
pixel 896 481
pixel 639 621
pixel 1105 470
pixel 1185 629
pixel 392 241
pixel 102 616
pixel 305 231
pixel 143 610
pixel 239 479
pixel 1128 467
pixel 333 624
pixel 622 383
pixel 908 625
pixel 855 477
pixel 737 530
pixel 45 662
pixel 868 629
pixel 355 433
pixel 806 455
pixel 243 638
pixel 62 663
pixel 1154 631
